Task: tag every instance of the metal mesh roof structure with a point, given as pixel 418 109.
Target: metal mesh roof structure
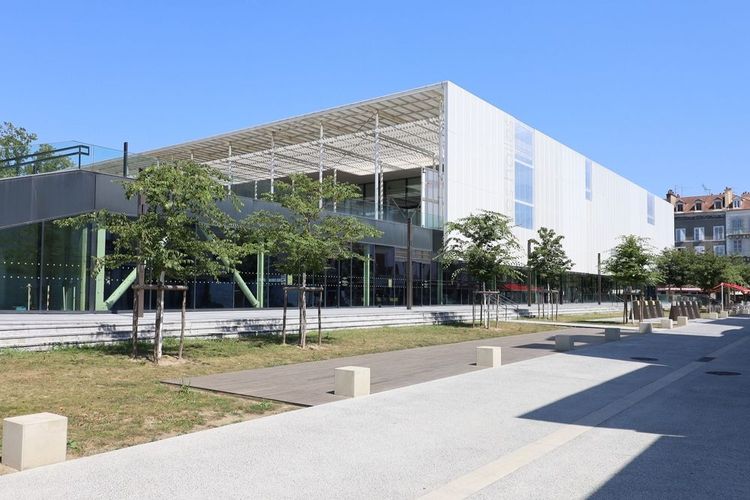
pixel 409 125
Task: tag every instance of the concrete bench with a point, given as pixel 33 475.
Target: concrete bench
pixel 723 314
pixel 489 356
pixel 682 320
pixel 351 381
pixel 611 334
pixel 564 343
pixel 34 440
pixel 667 323
pixel 713 315
pixel 645 328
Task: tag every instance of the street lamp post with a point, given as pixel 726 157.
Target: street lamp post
pixel 528 274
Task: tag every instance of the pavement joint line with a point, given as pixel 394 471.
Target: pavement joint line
pixel 488 474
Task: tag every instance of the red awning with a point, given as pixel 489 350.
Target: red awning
pixel 731 286
pixel 519 287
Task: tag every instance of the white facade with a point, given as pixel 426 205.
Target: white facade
pixel 485 149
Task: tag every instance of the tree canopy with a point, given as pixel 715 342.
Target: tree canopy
pixel 548 258
pixel 17 142
pixel 484 244
pixel 632 262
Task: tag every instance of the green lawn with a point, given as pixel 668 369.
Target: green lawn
pixel 113 401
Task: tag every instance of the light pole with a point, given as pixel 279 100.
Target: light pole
pixel 528 273
pixel 599 277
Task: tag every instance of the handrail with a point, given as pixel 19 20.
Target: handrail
pixel 39 156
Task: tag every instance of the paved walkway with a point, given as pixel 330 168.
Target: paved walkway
pixel 591 423
pixel 309 384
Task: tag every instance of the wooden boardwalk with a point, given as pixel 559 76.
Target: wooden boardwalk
pixel 311 383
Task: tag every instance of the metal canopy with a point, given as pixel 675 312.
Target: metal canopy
pixel 409 128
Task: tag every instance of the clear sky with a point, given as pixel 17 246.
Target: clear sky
pixel 657 91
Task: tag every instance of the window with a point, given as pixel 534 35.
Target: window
pixel 720 250
pixel 588 179
pixel 698 234
pixel 679 207
pixel 524 173
pixel 679 234
pixel 698 206
pixel 700 249
pixel 524 183
pixel 737 247
pixel 718 233
pixel 524 215
pixel 736 227
pixel 717 204
pixel 736 203
pixel 650 203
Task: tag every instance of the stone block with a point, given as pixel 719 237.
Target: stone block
pixel 723 314
pixel 667 323
pixel 564 343
pixel 645 328
pixel 611 334
pixel 351 381
pixel 34 440
pixel 682 320
pixel 489 356
pixel 713 315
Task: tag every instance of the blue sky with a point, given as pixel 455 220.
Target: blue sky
pixel 657 91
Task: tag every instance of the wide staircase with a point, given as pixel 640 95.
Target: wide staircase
pixel 42 331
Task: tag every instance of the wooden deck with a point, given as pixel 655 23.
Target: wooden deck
pixel 309 384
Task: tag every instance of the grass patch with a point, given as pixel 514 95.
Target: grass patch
pixel 113 401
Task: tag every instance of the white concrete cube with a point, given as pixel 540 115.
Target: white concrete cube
pixel 351 381
pixel 489 356
pixel 564 343
pixel 667 323
pixel 611 334
pixel 713 315
pixel 34 440
pixel 682 320
pixel 723 314
pixel 646 328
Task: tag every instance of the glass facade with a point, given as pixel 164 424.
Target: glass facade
pixel 650 209
pixel 524 176
pixel 45 267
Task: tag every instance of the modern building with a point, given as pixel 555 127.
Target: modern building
pixel 437 152
pixel 718 223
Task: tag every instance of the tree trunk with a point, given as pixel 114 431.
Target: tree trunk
pixel 159 319
pixel 485 306
pixel 303 313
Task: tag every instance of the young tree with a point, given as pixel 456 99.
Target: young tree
pixel 183 232
pixel 485 246
pixel 632 263
pixel 15 142
pixel 675 267
pixel 307 237
pixel 709 269
pixel 548 258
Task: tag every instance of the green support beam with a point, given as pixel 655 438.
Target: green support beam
pixel 101 242
pixel 260 279
pixel 121 288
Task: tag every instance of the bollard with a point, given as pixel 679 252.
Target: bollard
pixel 34 440
pixel 489 356
pixel 723 314
pixel 611 334
pixel 351 381
pixel 682 320
pixel 645 328
pixel 667 323
pixel 564 343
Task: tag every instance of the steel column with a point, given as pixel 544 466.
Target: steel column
pixel 320 166
pixel 377 184
pixel 273 160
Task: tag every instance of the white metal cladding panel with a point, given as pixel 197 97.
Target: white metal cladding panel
pixel 474 171
pixel 477 178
